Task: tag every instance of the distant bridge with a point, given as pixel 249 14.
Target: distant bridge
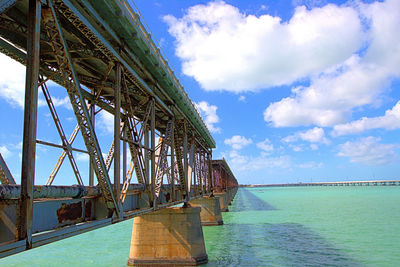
pixel 104 57
pixel 346 183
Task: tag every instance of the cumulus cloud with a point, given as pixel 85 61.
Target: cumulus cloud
pixel 225 49
pixel 314 135
pixel 238 142
pixel 266 145
pixel 360 80
pixel 12 85
pixel 12 81
pixel 389 121
pixel 330 97
pixel 369 151
pixel 209 114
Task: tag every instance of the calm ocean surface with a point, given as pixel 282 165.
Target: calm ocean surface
pixel 298 226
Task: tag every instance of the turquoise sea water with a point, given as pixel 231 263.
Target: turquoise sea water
pixel 297 226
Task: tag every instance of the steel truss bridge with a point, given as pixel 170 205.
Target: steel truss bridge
pixel 100 52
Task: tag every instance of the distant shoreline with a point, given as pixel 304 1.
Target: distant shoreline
pixel 344 183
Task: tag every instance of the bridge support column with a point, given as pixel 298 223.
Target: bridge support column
pixel 223 201
pixel 229 196
pixel 171 236
pixel 210 210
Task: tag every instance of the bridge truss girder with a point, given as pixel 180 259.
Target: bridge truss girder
pixel 57 43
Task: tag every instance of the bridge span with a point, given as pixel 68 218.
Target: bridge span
pixel 105 59
pixel 343 183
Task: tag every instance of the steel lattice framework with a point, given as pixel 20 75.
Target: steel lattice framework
pixel 102 55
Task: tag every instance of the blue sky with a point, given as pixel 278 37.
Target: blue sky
pixel 292 91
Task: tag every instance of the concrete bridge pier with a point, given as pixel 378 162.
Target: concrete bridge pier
pixel 232 194
pixel 223 200
pixel 168 237
pixel 210 210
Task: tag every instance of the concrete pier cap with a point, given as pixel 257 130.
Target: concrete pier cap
pixel 210 210
pixel 168 237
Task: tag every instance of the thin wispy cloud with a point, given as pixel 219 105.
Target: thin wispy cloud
pixel 369 151
pixel 209 114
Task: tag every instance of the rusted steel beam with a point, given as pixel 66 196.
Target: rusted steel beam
pixel 210 174
pixel 117 132
pixel 185 162
pixel 92 111
pixel 124 157
pixel 173 160
pixel 153 154
pixel 24 224
pixel 50 191
pixel 5 174
pixel 41 142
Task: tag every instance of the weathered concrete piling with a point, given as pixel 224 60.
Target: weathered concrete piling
pixel 223 201
pixel 168 237
pixel 210 210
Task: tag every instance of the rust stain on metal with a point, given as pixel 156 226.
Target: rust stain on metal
pixel 88 210
pixel 69 212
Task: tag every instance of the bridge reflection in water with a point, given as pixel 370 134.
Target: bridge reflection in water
pixel 106 60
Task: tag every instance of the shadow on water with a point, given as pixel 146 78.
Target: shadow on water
pixel 299 245
pixel 246 200
pixel 285 244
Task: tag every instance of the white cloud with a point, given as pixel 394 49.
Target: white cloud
pixel 5 152
pixel 223 48
pixel 314 147
pixel 296 148
pixel 242 98
pixel 62 102
pixel 311 165
pixel 105 121
pixel 330 97
pixel 360 80
pixel 266 145
pixel 238 142
pixel 209 113
pixel 314 135
pixel 263 161
pixel 12 81
pixel 12 85
pixel 384 46
pixel 369 151
pixel 390 121
pixel 82 157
